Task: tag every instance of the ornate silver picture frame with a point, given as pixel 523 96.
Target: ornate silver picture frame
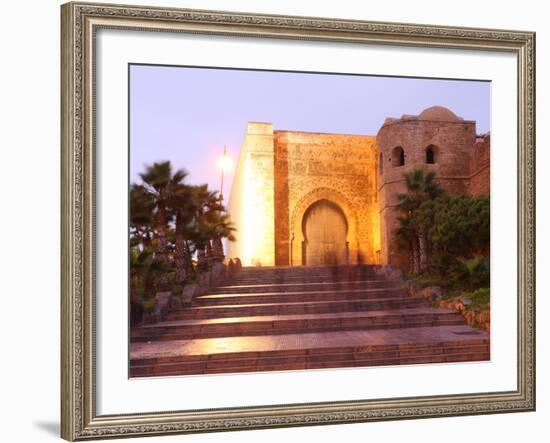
pixel 80 24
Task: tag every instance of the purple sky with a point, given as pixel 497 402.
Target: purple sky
pixel 186 115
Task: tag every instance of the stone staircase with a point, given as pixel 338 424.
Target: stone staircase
pixel 282 318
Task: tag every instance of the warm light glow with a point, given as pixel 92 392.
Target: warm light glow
pixel 251 203
pixel 225 163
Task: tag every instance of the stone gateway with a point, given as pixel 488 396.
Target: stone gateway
pixel 303 198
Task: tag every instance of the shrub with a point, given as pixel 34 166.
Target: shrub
pixel 471 274
pixel 426 280
pixel 461 226
pixel 193 277
pixel 436 228
pixel 479 299
pixel 149 304
pixel 177 290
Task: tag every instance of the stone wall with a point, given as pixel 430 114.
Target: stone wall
pixel 451 140
pixel 313 166
pixel 280 174
pixel 251 202
pixel 480 180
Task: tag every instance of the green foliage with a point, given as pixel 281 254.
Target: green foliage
pixel 177 290
pixel 160 182
pixel 470 274
pixel 140 289
pixel 442 233
pixel 431 279
pixel 149 304
pixel 193 277
pixel 460 227
pixel 141 216
pixel 480 299
pixel 420 187
pixel 170 223
pixel 144 270
pixel 416 216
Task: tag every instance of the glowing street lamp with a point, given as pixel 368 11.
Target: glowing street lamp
pixel 225 163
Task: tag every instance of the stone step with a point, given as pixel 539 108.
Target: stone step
pixel 284 268
pixel 357 342
pixel 204 368
pixel 316 307
pixel 303 281
pixel 311 351
pixel 329 271
pixel 304 318
pixel 216 298
pixel 233 288
pixel 290 278
pixel 294 324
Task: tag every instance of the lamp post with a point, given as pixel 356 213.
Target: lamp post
pixel 223 170
pixel 224 163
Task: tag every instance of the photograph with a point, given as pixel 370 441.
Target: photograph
pixel 293 218
pixel 289 220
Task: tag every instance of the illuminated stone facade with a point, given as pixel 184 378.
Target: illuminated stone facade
pixel 292 189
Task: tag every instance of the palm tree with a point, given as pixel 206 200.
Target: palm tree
pixel 219 227
pixel 421 188
pixel 208 202
pixel 161 184
pixel 138 265
pixel 473 273
pixel 407 239
pixel 222 228
pixel 145 270
pixel 185 206
pixel 177 220
pixel 141 217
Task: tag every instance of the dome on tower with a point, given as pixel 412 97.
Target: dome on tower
pixel 439 114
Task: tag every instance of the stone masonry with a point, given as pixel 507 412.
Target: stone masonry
pixel 282 175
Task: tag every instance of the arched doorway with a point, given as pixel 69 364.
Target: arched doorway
pixel 325 231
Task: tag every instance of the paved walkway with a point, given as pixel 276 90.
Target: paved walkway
pixel 356 339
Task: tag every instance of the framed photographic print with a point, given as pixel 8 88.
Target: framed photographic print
pixel 282 221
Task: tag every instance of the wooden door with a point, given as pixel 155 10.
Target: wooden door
pixel 325 230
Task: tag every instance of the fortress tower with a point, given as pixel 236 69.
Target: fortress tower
pixel 436 141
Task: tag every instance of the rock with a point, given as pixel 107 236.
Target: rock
pixel 204 283
pixel 162 303
pixel 205 279
pixel 218 273
pixel 175 302
pixel 150 317
pixel 388 272
pixel 431 293
pixel 413 288
pixel 189 291
pixel 483 317
pixel 394 274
